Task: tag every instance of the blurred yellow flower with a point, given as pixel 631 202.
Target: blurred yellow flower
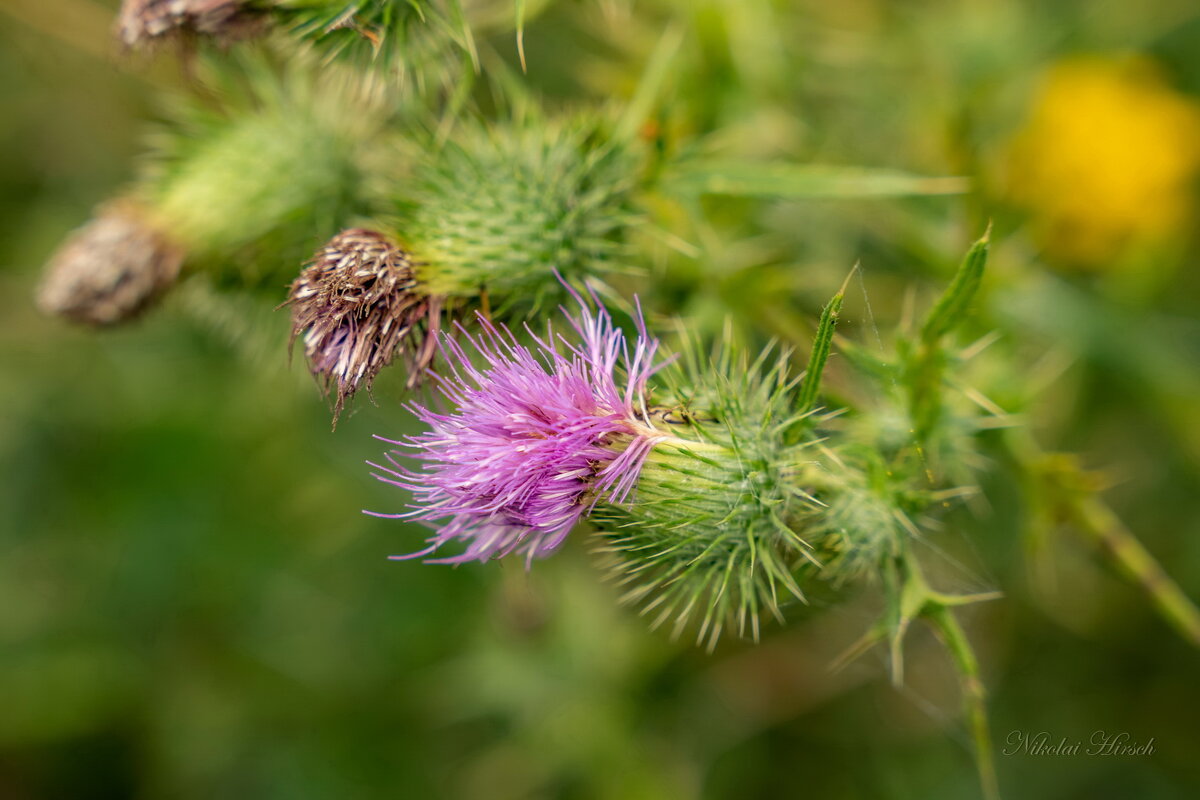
pixel 1106 160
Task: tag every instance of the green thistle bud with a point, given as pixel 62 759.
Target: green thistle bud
pixel 264 184
pixel 494 211
pixel 863 518
pixel 252 188
pixel 392 32
pixel 500 209
pixel 110 269
pixel 716 527
pixel 751 497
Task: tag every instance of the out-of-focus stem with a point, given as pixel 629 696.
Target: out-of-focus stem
pixel 1098 522
pixel 1072 496
pixel 942 620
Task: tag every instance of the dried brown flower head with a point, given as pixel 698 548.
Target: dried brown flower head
pixel 110 269
pixel 358 305
pixel 141 21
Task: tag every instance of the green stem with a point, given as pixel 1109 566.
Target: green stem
pixel 1098 522
pixel 942 620
pixel 925 393
pixel 1071 495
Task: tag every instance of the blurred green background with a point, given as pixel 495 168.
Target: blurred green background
pixel 191 604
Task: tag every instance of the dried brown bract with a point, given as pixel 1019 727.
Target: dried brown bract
pixel 110 269
pixel 358 304
pixel 142 21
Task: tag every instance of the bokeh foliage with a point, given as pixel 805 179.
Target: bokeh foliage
pixel 192 606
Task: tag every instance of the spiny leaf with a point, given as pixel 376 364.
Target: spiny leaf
pixel 951 308
pixel 822 344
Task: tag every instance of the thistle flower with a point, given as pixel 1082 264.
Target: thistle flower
pixel 538 435
pixel 110 269
pixel 141 21
pixel 358 305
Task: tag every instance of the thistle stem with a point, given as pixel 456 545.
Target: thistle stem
pixel 1097 521
pixel 1074 499
pixel 942 620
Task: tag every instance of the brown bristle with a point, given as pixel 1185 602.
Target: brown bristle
pixel 358 304
pixel 142 21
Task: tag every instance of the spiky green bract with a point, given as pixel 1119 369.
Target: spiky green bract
pixel 716 530
pixel 863 518
pixel 498 209
pixel 423 44
pixel 403 36
pixel 255 184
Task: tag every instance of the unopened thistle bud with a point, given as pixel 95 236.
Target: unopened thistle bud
pixel 260 188
pixel 863 519
pixel 357 304
pixel 143 21
pixel 253 187
pixel 110 269
pixel 248 190
pixel 500 209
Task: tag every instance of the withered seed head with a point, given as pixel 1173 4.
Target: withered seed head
pixel 110 269
pixel 358 305
pixel 141 21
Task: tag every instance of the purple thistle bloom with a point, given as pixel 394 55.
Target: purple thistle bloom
pixel 538 437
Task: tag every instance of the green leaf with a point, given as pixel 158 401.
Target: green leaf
pixel 520 25
pixel 783 180
pixel 650 86
pixel 951 308
pixel 820 353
